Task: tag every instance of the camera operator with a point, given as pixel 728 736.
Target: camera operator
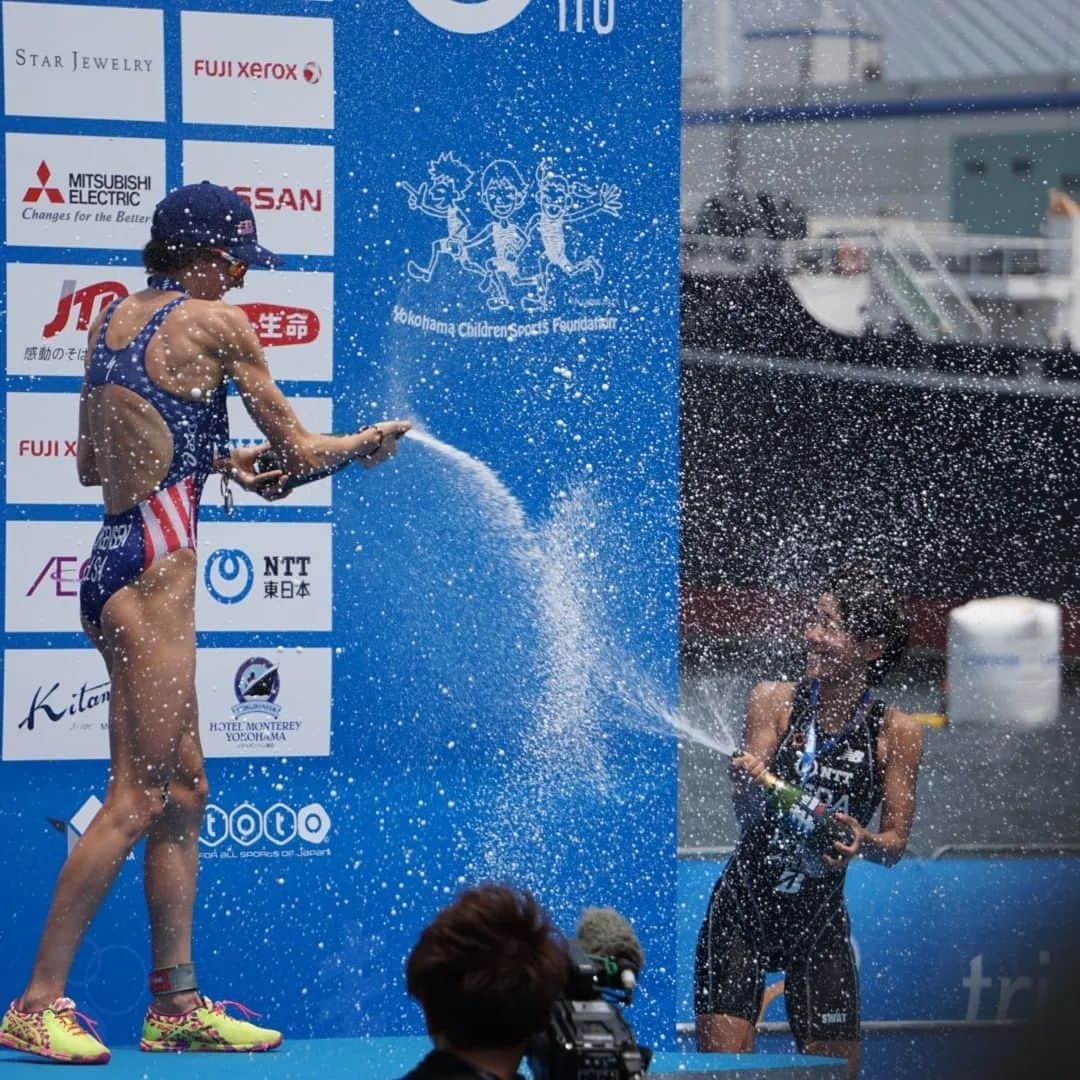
pixel 486 972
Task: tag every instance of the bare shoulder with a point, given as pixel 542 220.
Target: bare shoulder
pixel 903 736
pixel 770 704
pixel 219 324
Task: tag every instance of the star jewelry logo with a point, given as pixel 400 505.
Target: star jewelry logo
pixel 470 18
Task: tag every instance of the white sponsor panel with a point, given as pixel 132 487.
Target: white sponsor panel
pixel 264 576
pixel 265 702
pixel 257 70
pixel 81 191
pixel 253 703
pixel 290 188
pixel 41 574
pixel 42 432
pixel 56 705
pixel 80 60
pixel 42 435
pixel 293 314
pixel 51 308
pixel 315 414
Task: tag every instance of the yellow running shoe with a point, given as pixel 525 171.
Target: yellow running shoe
pixel 206 1027
pixel 53 1032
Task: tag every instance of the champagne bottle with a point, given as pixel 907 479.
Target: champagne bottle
pixel 269 460
pixel 807 812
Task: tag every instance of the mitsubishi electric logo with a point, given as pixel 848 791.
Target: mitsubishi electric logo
pixel 479 17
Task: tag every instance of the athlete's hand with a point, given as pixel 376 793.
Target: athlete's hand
pixel 239 467
pixel 389 433
pixel 746 768
pixel 842 853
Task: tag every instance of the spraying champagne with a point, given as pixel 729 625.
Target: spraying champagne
pixel 807 812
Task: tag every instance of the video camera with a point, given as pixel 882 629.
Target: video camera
pixel 587 1037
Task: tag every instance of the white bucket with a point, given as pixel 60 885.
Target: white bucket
pixel 1004 662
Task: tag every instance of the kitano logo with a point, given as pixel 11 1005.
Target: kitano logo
pixel 470 18
pixel 264 70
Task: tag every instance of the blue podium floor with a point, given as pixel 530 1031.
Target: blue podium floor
pixel 384 1059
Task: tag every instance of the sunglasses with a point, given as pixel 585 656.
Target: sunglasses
pixel 235 268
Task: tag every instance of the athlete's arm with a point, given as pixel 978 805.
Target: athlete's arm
pixel 302 452
pixel 86 458
pixel 768 704
pixel 903 749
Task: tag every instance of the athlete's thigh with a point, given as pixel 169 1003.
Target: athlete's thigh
pixel 822 988
pixel 148 636
pixel 729 966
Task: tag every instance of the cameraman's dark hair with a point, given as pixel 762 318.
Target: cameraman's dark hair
pixel 872 608
pixel 488 968
pixel 165 257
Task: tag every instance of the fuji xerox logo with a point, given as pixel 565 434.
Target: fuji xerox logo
pixel 260 70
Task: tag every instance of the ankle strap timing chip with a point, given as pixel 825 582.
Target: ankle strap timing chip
pixel 173 980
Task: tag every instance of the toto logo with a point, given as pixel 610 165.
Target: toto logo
pixel 229 575
pixel 470 18
pixel 279 824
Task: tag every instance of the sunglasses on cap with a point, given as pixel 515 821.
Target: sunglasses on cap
pixel 235 268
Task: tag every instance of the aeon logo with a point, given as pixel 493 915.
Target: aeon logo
pixel 229 575
pixel 470 18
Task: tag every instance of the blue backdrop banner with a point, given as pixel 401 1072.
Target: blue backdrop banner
pixel 472 650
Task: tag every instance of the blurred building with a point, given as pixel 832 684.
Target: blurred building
pixel 966 111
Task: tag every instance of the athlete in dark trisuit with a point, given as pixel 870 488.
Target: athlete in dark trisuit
pixel 779 906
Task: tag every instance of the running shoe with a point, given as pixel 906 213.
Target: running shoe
pixel 54 1032
pixel 207 1027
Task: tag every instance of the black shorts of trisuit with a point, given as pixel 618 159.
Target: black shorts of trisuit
pixel 735 950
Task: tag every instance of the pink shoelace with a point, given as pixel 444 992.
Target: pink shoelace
pixel 219 1006
pixel 69 1011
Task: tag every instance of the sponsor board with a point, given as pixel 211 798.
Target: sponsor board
pixel 45 561
pixel 272 702
pixel 52 307
pixel 290 188
pixel 56 703
pixel 264 576
pixel 78 60
pixel 82 191
pixel 42 432
pixel 257 70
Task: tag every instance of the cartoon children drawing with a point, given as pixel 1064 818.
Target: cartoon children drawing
pixel 441 196
pixel 503 192
pixel 563 201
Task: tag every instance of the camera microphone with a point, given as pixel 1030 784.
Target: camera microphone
pixel 603 932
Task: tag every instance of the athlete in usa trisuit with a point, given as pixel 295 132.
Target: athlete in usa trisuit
pixel 152 427
pixel 779 906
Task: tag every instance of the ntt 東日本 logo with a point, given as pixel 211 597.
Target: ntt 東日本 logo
pixel 470 18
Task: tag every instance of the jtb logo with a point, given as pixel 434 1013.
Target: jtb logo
pixel 87 302
pixel 476 18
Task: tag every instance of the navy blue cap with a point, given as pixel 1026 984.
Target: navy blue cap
pixel 208 215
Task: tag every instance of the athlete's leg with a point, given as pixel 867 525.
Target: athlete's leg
pixel 822 995
pixel 145 726
pixel 729 977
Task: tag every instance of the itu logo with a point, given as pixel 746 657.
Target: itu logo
pixel 229 575
pixel 480 17
pixel 483 16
